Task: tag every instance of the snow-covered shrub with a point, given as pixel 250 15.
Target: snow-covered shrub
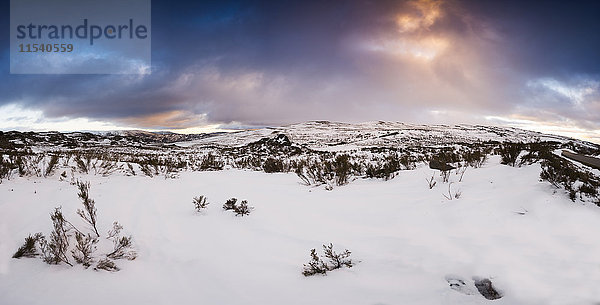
pixel 84 249
pixel 211 162
pixel 88 214
pixel 316 265
pixel 122 245
pixel 29 248
pixel 200 203
pixel 273 165
pixel 129 171
pixel 104 167
pixel 106 264
pixel 314 172
pixel 83 165
pixel 509 152
pixel 342 168
pixel 6 168
pixel 242 209
pixel 250 162
pixel 445 156
pixel 230 204
pixel 337 260
pixel 51 165
pixel 322 170
pixel 475 157
pixel 54 250
pixel 388 167
pixel 536 152
pixel 562 173
pixel 147 170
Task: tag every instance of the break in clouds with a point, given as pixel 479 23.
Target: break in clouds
pixel 257 63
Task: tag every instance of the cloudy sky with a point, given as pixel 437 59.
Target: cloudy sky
pixel 219 65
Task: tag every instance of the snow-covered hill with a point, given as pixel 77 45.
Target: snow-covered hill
pixel 324 135
pixel 319 135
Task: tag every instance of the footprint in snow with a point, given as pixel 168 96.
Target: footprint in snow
pixel 482 285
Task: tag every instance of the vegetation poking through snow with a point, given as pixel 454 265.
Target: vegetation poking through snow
pixel 44 154
pixel 337 260
pixel 29 248
pixel 240 209
pixel 430 182
pixel 84 249
pixel 273 165
pixel 388 166
pixel 88 214
pixel 455 195
pixel 200 203
pixel 56 248
pixel 51 165
pixel 509 152
pixel 211 162
pixel 107 265
pixel 122 245
pixel 317 265
pixel 577 182
pixel 230 204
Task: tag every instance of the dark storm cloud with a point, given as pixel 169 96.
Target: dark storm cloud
pixel 258 62
pixel 547 37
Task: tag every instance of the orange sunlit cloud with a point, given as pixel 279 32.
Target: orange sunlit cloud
pixel 427 12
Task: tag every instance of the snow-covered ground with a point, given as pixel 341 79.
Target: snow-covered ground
pixel 535 245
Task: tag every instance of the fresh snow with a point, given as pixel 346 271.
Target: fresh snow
pixel 535 245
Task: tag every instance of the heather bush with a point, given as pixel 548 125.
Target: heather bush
pixel 200 203
pixel 317 265
pixel 107 265
pixel 29 248
pixel 230 204
pixel 84 249
pixel 122 245
pixel 388 167
pixel 562 173
pixel 54 250
pixel 6 168
pixel 210 162
pixel 51 165
pixel 337 260
pixel 88 214
pixel 242 209
pixel 509 152
pixel 273 165
pixel 342 169
pixel 475 157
